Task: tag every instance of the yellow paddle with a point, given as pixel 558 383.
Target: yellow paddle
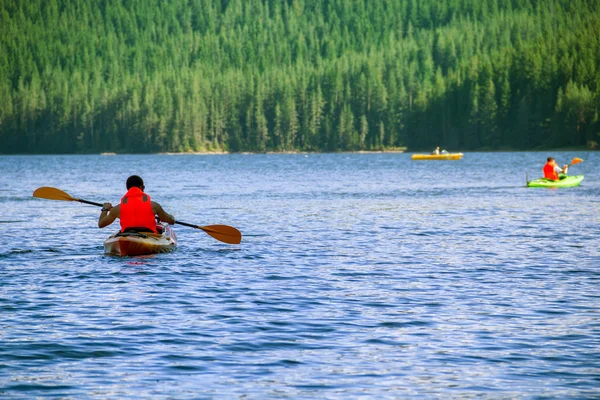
pixel 575 161
pixel 51 193
pixel 223 233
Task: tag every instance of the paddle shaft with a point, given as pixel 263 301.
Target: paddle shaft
pixel 186 224
pixel 90 202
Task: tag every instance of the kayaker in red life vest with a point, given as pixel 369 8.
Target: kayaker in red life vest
pixel 551 169
pixel 136 209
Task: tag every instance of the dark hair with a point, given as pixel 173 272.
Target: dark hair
pixel 550 159
pixel 134 181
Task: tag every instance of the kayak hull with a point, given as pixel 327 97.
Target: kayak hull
pixel 449 156
pixel 141 243
pixel 568 181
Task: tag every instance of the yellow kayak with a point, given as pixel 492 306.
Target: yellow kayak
pixel 449 156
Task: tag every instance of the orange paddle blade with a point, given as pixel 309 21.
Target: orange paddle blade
pixel 51 193
pixel 576 161
pixel 224 233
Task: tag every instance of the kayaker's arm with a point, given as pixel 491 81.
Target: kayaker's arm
pixel 162 214
pixel 108 215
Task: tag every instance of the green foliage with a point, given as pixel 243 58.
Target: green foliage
pixel 297 75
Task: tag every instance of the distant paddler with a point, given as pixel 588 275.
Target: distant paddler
pixel 553 172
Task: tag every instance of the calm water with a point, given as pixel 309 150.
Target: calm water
pixel 359 276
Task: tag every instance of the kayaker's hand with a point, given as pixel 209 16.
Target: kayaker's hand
pixel 107 206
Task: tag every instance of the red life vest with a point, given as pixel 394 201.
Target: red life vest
pixel 136 210
pixel 549 172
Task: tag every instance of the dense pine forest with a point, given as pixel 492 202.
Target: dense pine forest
pixel 82 76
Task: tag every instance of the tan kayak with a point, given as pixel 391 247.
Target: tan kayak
pixel 141 243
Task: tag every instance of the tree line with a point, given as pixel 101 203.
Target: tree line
pixel 81 76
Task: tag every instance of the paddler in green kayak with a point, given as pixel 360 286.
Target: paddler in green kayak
pixel 551 169
pixel 136 210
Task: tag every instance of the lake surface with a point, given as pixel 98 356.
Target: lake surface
pixel 359 276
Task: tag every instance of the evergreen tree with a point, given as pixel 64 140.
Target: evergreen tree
pixel 319 75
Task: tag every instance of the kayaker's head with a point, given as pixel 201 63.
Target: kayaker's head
pixel 135 181
pixel 550 159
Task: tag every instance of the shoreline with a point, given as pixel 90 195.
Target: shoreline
pixel 284 152
pixel 391 151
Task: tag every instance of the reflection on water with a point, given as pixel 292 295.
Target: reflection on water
pixel 359 275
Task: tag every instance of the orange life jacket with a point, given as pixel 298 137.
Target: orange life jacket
pixel 136 210
pixel 549 172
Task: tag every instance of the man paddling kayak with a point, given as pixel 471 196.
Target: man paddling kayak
pixel 136 210
pixel 551 169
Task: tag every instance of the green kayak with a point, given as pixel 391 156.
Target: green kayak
pixel 564 181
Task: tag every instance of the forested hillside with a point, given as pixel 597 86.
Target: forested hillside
pixel 310 75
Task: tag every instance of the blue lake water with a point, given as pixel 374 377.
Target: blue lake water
pixel 359 276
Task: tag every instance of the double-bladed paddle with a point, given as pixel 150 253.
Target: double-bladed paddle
pixel 223 233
